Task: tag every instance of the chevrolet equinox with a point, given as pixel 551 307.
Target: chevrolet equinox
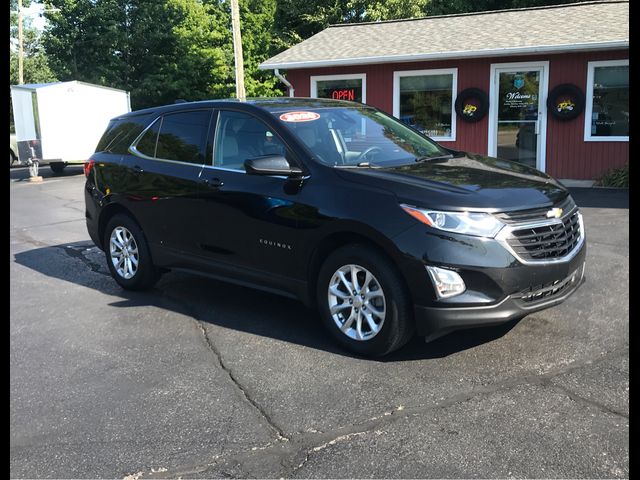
pixel 387 233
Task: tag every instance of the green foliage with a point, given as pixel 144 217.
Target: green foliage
pixel 35 63
pixel 447 7
pixel 615 177
pixel 297 20
pixel 161 51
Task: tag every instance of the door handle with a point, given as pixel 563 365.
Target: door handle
pixel 213 182
pixel 137 169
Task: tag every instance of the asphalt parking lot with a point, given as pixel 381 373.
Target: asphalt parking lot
pixel 198 378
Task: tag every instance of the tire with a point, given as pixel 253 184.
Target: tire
pixel 57 167
pixel 12 158
pixel 396 327
pixel 129 277
pixel 472 105
pixel 566 101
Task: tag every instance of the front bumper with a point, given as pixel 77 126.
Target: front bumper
pixel 441 320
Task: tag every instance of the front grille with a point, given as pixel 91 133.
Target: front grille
pixel 546 242
pixel 534 214
pixel 547 291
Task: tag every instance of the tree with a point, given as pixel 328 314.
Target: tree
pixel 297 20
pixel 159 51
pixel 257 25
pixel 446 7
pixel 35 62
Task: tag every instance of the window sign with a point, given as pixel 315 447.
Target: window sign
pixel 608 97
pixel 425 101
pixel 340 89
pixel 518 95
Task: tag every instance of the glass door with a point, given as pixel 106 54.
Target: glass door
pixel 519 115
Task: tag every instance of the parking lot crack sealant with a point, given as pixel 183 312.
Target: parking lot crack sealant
pixel 280 435
pixel 287 458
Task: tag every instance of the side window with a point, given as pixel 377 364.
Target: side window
pixel 183 136
pixel 239 137
pixel 147 144
pixel 121 133
pixel 177 136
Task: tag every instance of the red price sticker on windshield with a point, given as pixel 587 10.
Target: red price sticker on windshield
pixel 299 116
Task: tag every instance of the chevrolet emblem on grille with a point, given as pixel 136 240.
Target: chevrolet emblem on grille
pixel 554 213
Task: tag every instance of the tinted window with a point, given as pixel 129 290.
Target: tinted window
pixel 120 133
pixel 147 144
pixel 183 136
pixel 240 137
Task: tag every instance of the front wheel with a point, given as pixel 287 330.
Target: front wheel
pixel 364 302
pixel 128 256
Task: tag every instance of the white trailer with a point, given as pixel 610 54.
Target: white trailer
pixel 61 123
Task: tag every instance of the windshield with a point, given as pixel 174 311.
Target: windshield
pixel 357 136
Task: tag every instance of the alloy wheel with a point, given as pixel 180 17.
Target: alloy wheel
pixel 356 302
pixel 124 252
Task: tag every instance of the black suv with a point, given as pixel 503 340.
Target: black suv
pixel 337 204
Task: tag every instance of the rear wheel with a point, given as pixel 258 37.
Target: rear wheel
pixel 363 301
pixel 128 256
pixel 57 167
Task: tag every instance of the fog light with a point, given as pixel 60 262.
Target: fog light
pixel 446 282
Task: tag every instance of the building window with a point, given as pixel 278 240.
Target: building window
pixel 351 87
pixel 425 99
pixel 607 112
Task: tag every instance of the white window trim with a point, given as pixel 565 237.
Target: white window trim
pixel 591 66
pixel 492 141
pixel 397 75
pixel 347 76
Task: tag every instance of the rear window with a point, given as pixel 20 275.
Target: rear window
pixel 120 133
pixel 178 136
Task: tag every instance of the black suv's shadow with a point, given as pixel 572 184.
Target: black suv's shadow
pixel 230 306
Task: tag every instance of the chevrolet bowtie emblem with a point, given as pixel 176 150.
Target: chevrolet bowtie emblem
pixel 554 213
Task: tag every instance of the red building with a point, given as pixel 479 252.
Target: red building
pixel 546 86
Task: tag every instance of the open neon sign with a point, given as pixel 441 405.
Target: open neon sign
pixel 344 94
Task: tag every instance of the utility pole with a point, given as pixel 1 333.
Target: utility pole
pixel 21 40
pixel 237 51
pixel 21 46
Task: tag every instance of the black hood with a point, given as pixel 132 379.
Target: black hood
pixel 464 182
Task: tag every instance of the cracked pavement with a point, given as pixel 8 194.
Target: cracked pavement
pixel 201 379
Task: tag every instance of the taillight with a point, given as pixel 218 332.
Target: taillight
pixel 88 166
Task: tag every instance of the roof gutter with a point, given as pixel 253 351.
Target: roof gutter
pixel 281 77
pixel 416 57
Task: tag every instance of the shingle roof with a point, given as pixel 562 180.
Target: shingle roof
pixel 558 28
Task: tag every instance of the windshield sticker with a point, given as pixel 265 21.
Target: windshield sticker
pixel 299 116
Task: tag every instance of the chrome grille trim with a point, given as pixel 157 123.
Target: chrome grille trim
pixel 549 291
pixel 534 214
pixel 506 237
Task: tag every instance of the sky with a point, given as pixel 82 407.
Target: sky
pixel 32 12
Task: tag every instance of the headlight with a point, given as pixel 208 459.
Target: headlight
pixel 479 224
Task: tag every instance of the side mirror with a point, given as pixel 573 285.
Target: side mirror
pixel 271 165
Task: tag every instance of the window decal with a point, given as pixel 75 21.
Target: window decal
pixel 299 116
